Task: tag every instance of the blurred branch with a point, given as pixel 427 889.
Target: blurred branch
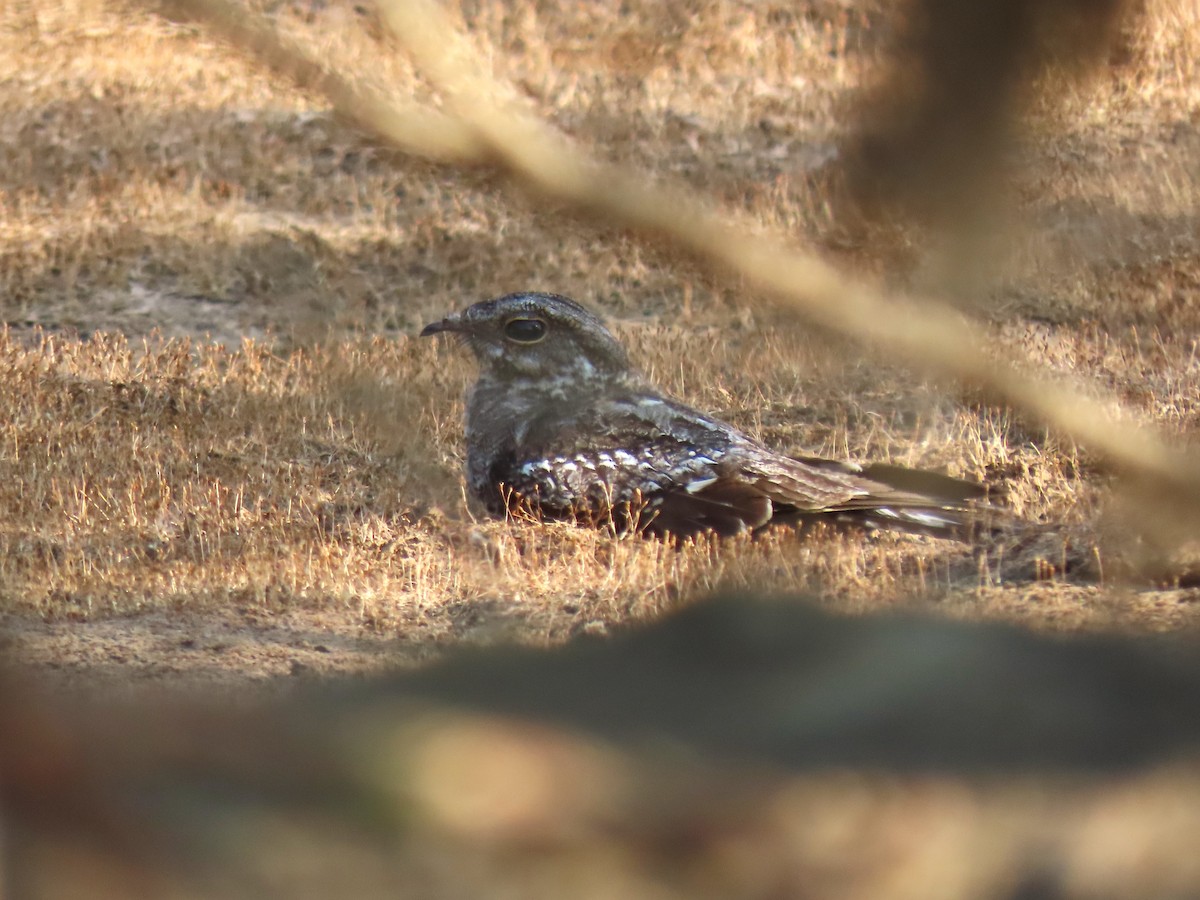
pixel 938 127
pixel 649 754
pixel 488 126
pixel 406 126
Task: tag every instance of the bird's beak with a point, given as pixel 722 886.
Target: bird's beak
pixel 450 323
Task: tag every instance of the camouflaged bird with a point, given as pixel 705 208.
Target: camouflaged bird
pixel 560 426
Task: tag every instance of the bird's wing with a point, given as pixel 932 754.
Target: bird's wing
pixel 934 485
pixel 694 474
pixel 811 489
pixel 656 454
pixel 722 505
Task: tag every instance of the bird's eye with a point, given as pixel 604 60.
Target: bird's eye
pixel 525 331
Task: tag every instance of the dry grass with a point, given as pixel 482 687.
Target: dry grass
pixel 161 474
pixel 155 184
pixel 224 454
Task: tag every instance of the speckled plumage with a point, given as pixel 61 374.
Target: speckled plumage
pixel 561 426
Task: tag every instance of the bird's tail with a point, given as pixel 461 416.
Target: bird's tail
pixel 913 501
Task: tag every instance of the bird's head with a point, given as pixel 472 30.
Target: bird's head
pixel 533 336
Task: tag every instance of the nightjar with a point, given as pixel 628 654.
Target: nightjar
pixel 560 426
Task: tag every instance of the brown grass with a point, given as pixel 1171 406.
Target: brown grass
pixel 223 454
pixel 156 185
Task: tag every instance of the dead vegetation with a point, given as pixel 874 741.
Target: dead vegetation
pixel 224 457
pixel 155 185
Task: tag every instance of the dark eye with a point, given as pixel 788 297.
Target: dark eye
pixel 525 331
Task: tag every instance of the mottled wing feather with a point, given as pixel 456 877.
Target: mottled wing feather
pixel 803 491
pixel 932 485
pixel 695 474
pixel 724 506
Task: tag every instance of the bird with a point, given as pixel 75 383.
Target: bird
pixel 561 426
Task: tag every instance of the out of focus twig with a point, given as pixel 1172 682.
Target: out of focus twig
pixel 406 126
pixel 485 126
pixel 934 136
pixel 646 756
